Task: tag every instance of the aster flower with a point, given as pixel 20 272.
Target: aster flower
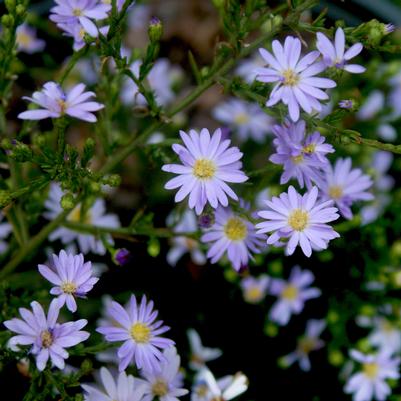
pixel 234 235
pixel 166 384
pixel 138 328
pixel 182 244
pixel 71 277
pixel 80 12
pixel 386 336
pixel 27 41
pixel 55 103
pixel 47 337
pixel 370 382
pixel 291 294
pixel 308 343
pixel 207 164
pixel 122 388
pixel 199 353
pixel 207 388
pixel 300 219
pixel 345 185
pixel 248 69
pixel 5 230
pixel 297 86
pixel 247 119
pixel 346 104
pixel 335 55
pixel 95 215
pixel 254 289
pixel 373 104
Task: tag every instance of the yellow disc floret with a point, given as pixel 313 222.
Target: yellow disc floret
pixel 291 78
pixel 290 292
pixel 235 229
pixel 298 220
pixel 140 332
pixel 204 169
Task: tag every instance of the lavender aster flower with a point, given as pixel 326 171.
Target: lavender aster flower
pixel 207 164
pixel 346 104
pixel 140 332
pixel 55 103
pixel 27 41
pixel 248 69
pixel 122 388
pixel 292 295
pixel 345 185
pixel 300 219
pixel 71 277
pixel 254 289
pixel 296 85
pixel 199 353
pixel 234 235
pixel 48 338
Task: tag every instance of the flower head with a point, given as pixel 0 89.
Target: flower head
pixel 297 87
pixel 71 277
pixel 27 41
pixel 234 235
pixel 346 104
pixel 207 164
pixel 292 294
pixel 334 55
pixel 385 335
pixel 55 103
pixel 136 325
pixel 254 289
pixel 47 337
pixel 199 353
pixel 300 219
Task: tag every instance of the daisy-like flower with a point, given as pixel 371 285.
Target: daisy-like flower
pixel 199 353
pixel 5 230
pixel 55 103
pixel 95 216
pixel 297 86
pixel 385 335
pixel 80 12
pixel 207 164
pixel 370 382
pixel 47 337
pixel 292 295
pixel 138 328
pixel 308 343
pixel 207 388
pixel 234 235
pixel 334 55
pixel 71 277
pixel 300 219
pixel 166 384
pixel 247 119
pixel 122 388
pixel 182 244
pixel 345 185
pixel 27 41
pixel 254 289
pixel 248 69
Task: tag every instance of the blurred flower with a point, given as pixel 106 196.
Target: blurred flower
pixel 48 338
pixel 122 388
pixel 291 294
pixel 300 219
pixel 5 230
pixel 94 215
pixel 254 289
pixel 296 85
pixel 370 382
pixel 346 104
pixel 207 164
pixel 334 55
pixel 345 185
pixel 247 119
pixel 309 342
pixel 71 276
pixel 234 235
pixel 372 105
pixel 27 41
pixel 248 69
pixel 385 335
pixel 181 244
pixel 122 256
pixel 166 384
pixel 56 103
pixel 139 331
pixel 200 354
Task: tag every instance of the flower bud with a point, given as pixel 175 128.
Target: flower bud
pixel 7 20
pixel 113 180
pixel 121 256
pixel 206 220
pixel 153 247
pixel 155 30
pixel 67 201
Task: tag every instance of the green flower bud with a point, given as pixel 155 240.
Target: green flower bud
pixel 336 358
pixel 113 180
pixel 155 30
pixel 86 366
pixel 153 247
pixel 20 10
pixel 7 20
pixel 271 330
pixel 95 187
pixel 10 5
pixel 67 201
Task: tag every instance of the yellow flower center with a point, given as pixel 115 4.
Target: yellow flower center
pixel 253 294
pixel 291 78
pixel 191 244
pixel 297 159
pixel 204 169
pixel 77 12
pixel 235 229
pixel 47 338
pixel 241 118
pixel 63 105
pixel 81 33
pixel 335 191
pixel 387 326
pixel 140 332
pixel 159 388
pixel 68 287
pixel 76 216
pixel 298 220
pixel 23 39
pixel 290 292
pixel 306 345
pixel 370 369
pixel 201 390
pixel 309 148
